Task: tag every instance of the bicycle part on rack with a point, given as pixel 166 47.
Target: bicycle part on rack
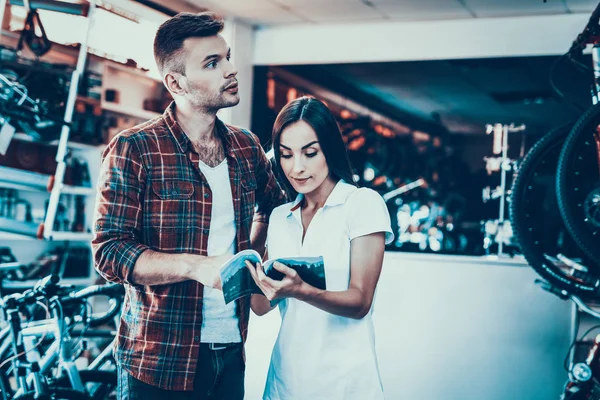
pixel 583 381
pixel 591 207
pixel 56 347
pixel 536 221
pixel 502 234
pixel 578 181
pixel 19 111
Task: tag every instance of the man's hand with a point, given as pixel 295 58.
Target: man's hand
pixel 208 272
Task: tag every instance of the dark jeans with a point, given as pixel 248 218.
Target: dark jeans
pixel 219 376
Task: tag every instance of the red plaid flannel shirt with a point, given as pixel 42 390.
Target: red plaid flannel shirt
pixel 152 195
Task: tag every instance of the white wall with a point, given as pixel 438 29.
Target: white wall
pixel 241 40
pixel 453 328
pixel 424 40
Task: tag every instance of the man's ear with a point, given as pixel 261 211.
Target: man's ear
pixel 172 81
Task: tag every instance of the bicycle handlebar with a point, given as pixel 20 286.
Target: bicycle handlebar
pixel 110 290
pixel 561 294
pixel 564 295
pixel 591 29
pixel 48 288
pixel 48 285
pixel 113 290
pixel 584 307
pixel 44 288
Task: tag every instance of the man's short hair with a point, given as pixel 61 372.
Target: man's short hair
pixel 168 42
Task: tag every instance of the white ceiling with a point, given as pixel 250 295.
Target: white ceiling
pixel 277 12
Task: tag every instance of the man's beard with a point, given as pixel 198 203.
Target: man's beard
pixel 213 103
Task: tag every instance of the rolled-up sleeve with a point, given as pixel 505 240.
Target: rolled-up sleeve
pixel 118 214
pixel 269 193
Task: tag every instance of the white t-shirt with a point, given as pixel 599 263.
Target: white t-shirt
pixel 219 320
pixel 319 355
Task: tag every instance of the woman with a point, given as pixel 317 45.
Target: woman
pixel 326 347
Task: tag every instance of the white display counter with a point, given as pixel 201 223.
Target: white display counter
pixel 453 327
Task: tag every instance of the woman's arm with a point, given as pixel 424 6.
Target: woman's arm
pixel 366 259
pixel 260 305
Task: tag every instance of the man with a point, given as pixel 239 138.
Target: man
pixel 177 198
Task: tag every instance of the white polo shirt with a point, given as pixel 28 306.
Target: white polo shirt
pixel 319 355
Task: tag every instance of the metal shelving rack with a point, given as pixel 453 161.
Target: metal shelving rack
pixel 59 175
pixel 23 235
pixel 24 180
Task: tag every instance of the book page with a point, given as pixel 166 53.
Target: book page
pixel 310 269
pixel 235 277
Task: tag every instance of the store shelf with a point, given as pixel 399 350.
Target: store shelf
pixel 18 227
pixel 79 146
pixel 16 230
pixel 19 186
pixel 10 266
pixel 78 190
pixel 21 137
pixel 133 71
pixel 15 285
pixel 13 178
pixel 7 236
pixel 133 112
pixel 28 180
pixel 72 236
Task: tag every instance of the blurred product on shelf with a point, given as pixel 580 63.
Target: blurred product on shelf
pixel 11 206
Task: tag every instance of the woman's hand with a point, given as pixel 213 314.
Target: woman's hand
pixel 290 286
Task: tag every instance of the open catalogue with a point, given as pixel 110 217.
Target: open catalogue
pixel 237 282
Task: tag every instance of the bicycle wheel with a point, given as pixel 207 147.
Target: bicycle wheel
pixel 99 385
pixel 536 221
pixel 578 183
pixel 60 394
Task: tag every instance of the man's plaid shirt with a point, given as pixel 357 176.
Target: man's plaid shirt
pixel 152 195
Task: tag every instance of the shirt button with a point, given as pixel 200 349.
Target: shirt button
pixel 174 191
pixel 196 338
pixel 206 231
pixel 206 195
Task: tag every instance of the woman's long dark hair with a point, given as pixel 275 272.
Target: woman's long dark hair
pixel 316 114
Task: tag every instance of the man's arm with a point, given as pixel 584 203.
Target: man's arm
pixel 258 237
pixel 119 255
pixel 269 193
pixel 156 268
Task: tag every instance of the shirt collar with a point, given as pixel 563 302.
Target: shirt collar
pixel 183 140
pixel 338 196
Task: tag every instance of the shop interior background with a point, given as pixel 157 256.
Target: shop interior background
pixel 414 85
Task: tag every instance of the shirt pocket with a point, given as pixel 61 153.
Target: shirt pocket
pixel 171 214
pixel 248 182
pixel 173 190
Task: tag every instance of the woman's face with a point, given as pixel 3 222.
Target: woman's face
pixel 301 158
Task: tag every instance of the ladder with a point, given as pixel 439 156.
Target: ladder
pixel 56 184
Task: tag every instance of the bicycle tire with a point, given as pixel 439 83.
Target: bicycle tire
pixel 106 379
pixel 577 179
pixel 57 393
pixel 537 225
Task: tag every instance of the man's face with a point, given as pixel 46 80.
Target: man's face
pixel 210 79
